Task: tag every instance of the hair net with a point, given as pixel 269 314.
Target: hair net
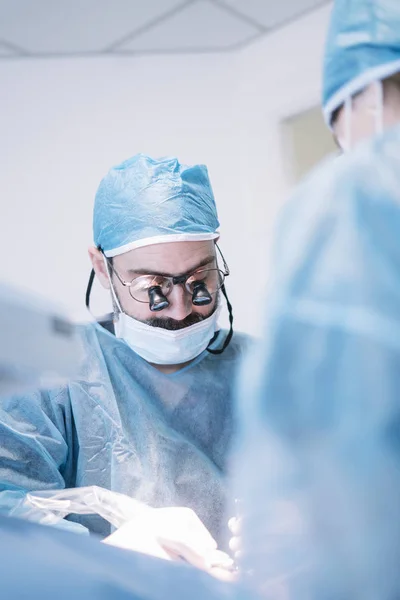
pixel 147 201
pixel 363 46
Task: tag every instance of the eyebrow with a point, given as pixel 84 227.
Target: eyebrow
pixel 203 263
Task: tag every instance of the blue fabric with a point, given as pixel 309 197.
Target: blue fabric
pixel 364 35
pixel 145 198
pixel 125 426
pixel 40 563
pixel 318 461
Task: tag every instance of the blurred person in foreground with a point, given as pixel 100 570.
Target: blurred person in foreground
pixel 151 414
pixel 318 457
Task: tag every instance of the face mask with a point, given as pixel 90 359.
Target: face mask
pixel 162 346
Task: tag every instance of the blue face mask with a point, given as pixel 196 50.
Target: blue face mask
pixel 165 347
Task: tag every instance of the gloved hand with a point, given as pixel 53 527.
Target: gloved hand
pixel 235 543
pixel 172 534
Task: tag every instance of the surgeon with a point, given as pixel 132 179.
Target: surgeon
pixel 151 414
pixel 318 455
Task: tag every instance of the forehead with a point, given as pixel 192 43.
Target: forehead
pixel 173 257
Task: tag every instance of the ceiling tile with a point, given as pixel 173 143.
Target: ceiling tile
pixel 199 26
pixel 75 26
pixel 272 13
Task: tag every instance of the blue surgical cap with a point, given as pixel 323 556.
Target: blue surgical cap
pixel 363 46
pixel 146 201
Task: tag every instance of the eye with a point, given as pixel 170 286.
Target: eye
pixel 143 284
pixel 200 277
pixel 156 281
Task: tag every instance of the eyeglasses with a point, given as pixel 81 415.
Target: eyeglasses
pixel 140 287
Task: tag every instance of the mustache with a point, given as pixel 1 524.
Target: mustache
pixel 173 325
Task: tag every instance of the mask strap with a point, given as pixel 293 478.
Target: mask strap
pixel 379 107
pixel 90 285
pixel 89 290
pixel 348 109
pixel 227 272
pixel 230 333
pixel 114 295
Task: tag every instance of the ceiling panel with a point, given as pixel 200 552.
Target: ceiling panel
pixel 76 26
pixel 272 13
pixel 79 27
pixel 200 25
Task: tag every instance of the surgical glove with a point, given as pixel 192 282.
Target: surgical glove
pixel 235 543
pixel 171 533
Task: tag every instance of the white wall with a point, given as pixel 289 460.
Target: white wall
pixel 63 123
pixel 279 77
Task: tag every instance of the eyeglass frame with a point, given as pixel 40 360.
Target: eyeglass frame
pixel 176 280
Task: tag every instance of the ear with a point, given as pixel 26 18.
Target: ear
pixel 97 260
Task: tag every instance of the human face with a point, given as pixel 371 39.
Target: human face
pixel 171 259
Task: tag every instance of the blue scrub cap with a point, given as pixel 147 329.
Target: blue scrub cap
pixel 363 46
pixel 146 201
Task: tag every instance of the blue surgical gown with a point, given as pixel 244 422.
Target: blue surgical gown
pixel 318 455
pixel 125 426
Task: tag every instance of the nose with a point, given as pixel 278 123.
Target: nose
pixel 180 303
